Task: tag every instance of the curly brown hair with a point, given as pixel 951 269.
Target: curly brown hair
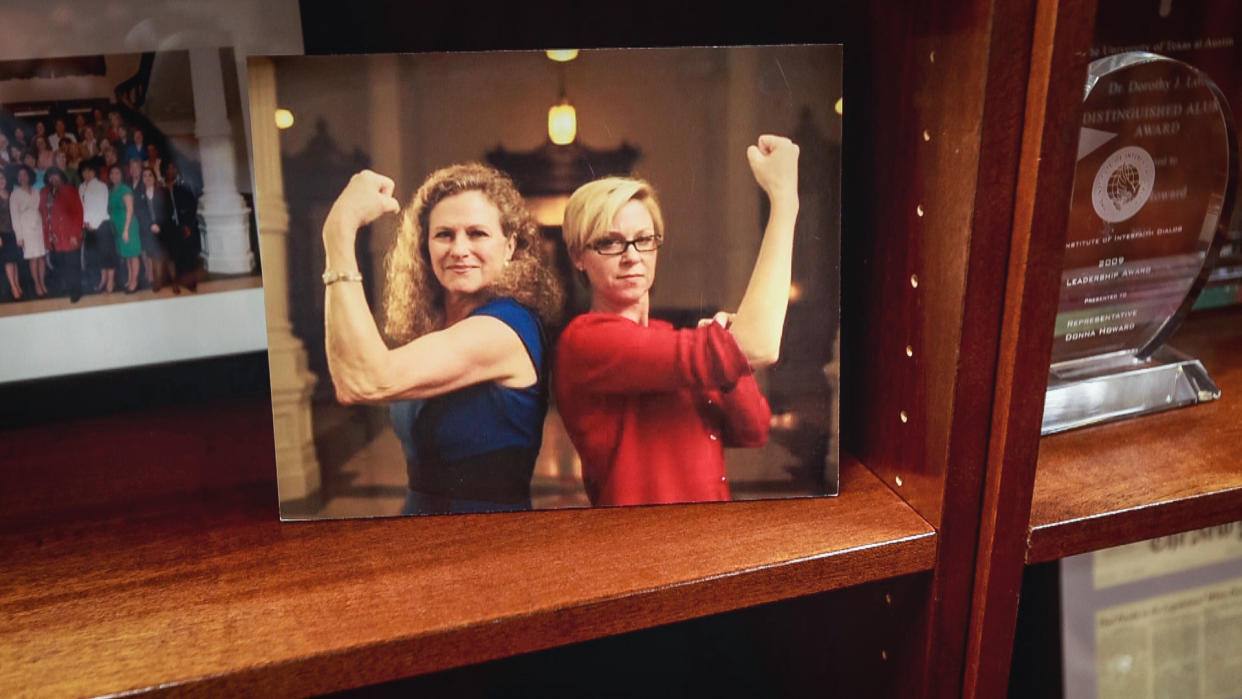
pixel 414 298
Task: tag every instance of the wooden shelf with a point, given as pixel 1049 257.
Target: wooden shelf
pixel 1129 481
pixel 170 570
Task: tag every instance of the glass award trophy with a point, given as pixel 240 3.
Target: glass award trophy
pixel 1153 189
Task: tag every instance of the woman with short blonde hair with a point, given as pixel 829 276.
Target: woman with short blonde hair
pixel 594 205
pixel 650 408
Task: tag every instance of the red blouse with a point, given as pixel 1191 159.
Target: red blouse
pixel 62 218
pixel 650 409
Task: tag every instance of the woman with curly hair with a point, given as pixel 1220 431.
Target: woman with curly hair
pixel 468 295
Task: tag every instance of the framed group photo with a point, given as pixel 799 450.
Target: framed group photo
pixel 127 232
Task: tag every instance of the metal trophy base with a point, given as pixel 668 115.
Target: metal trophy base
pixel 1117 386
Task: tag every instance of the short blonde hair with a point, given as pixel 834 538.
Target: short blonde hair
pixel 592 208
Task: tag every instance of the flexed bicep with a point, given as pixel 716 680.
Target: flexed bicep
pixel 474 350
pixel 358 359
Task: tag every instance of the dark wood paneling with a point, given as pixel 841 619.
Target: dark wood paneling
pixel 937 203
pixel 382 26
pixel 1037 659
pixel 850 642
pixel 1040 206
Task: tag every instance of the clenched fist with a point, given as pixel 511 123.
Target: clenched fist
pixel 367 197
pixel 774 162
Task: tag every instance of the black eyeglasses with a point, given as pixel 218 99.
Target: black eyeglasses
pixel 617 246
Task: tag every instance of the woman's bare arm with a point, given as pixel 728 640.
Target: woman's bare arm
pixel 356 351
pixel 129 215
pixel 363 369
pixel 760 318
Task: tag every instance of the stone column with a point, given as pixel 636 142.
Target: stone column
pixel 298 476
pixel 226 219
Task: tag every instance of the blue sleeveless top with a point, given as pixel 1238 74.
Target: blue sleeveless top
pixel 479 443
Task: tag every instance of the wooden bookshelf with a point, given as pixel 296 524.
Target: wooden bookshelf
pixel 1134 480
pixel 196 585
pixel 140 548
pixel 1111 484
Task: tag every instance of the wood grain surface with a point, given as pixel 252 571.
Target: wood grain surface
pixel 1057 49
pixel 179 576
pixel 928 209
pixel 1150 476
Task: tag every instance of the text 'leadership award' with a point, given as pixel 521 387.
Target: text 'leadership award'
pixel 1152 191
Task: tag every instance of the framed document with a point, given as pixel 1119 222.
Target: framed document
pixel 1155 618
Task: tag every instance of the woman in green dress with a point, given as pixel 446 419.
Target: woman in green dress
pixel 125 223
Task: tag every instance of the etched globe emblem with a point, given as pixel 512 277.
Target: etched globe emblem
pixel 1123 185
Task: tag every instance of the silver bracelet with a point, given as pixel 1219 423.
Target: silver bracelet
pixel 332 277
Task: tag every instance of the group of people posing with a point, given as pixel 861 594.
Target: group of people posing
pixel 98 206
pixel 466 367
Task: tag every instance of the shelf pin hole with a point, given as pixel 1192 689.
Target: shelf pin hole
pixel 883 655
pixel 899 481
pixel 914 280
pixel 888 599
pixel 926 135
pixel 909 351
pixel 904 417
pixel 919 210
pixel 932 56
